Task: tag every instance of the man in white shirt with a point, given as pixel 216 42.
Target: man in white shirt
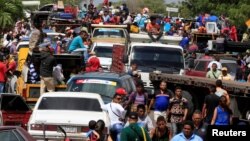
pixel 216 61
pixel 116 114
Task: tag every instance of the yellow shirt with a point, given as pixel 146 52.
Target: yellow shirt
pixel 227 77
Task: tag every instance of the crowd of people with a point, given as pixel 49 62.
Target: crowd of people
pixel 130 118
pixel 171 118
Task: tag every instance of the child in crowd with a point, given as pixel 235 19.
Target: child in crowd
pixel 92 135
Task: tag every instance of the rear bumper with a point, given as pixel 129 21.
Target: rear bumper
pixel 57 135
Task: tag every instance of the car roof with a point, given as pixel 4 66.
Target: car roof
pixel 72 94
pixel 55 34
pixel 156 44
pixel 10 127
pixel 221 60
pixel 100 75
pixel 105 44
pixel 23 43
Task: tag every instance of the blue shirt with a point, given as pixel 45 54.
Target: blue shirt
pixel 223 117
pixel 161 101
pixel 76 43
pixel 213 18
pixel 181 137
pixel 167 27
pixel 184 42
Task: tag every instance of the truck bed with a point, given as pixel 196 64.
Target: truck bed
pixel 232 87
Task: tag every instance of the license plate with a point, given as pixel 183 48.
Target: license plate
pixel 70 129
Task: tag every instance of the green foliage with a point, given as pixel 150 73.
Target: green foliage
pixel 155 6
pixel 66 2
pixel 237 10
pixel 11 11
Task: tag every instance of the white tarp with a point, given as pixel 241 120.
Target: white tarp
pixel 31 3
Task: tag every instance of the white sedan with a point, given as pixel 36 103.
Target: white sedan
pixel 57 113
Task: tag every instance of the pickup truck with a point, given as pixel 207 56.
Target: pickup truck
pixel 104 38
pixel 200 68
pixel 14 111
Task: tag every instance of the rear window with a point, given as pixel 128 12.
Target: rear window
pixel 69 103
pixel 13 103
pixel 231 67
pixel 201 66
pixel 103 51
pixel 108 32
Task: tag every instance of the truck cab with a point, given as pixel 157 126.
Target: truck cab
pixel 156 57
pixel 110 34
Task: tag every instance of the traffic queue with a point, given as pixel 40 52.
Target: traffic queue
pixel 95 82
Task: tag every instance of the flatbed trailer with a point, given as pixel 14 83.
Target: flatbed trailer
pixel 196 88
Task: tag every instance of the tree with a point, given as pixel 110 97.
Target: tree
pixel 11 11
pixel 237 10
pixel 66 2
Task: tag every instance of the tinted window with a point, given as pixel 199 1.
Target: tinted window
pixel 231 67
pixel 13 103
pixel 129 89
pixel 102 51
pixel 132 84
pixel 69 103
pixel 157 57
pixel 106 32
pixel 18 135
pixel 201 66
pixel 8 136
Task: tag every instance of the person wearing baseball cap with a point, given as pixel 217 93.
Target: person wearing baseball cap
pixel 121 91
pixel 134 132
pixel 224 74
pixel 116 114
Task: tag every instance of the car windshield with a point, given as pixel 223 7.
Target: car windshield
pixel 108 32
pixel 148 57
pixel 69 103
pixel 103 51
pixel 105 88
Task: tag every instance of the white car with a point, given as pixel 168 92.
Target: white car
pixel 70 111
pixel 104 53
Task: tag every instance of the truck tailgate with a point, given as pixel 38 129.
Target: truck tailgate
pixel 16 118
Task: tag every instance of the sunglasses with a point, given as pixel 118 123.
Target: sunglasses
pixel 119 98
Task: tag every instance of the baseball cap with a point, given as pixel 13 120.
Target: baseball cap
pixel 121 91
pixel 224 69
pixel 133 115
